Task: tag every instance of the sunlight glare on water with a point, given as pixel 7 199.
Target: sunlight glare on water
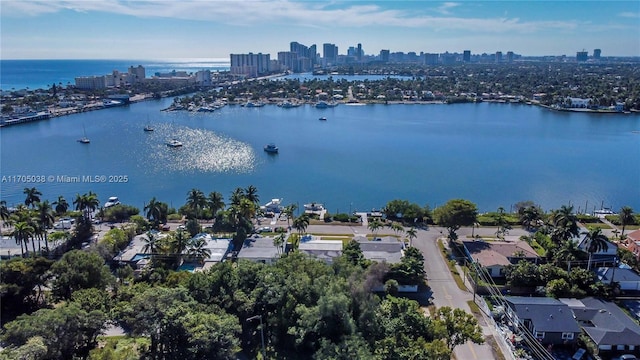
pixel 202 151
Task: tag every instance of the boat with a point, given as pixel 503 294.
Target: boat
pixel 323 119
pixel 174 143
pixel 148 128
pixel 288 104
pixel 254 104
pixel 323 104
pixel 112 201
pixel 313 207
pixel 271 148
pixel 84 139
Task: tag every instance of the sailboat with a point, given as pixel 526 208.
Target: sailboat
pixel 84 139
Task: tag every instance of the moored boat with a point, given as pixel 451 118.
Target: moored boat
pixel 174 143
pixel 271 148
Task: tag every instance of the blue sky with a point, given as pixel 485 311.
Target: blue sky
pixel 159 29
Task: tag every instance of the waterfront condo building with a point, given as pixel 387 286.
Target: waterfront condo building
pixel 330 54
pixel 250 64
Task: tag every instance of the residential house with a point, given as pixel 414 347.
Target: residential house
pixel 260 249
pixel 610 328
pixel 632 242
pixel 605 257
pixel 548 320
pixel 218 249
pixel 387 249
pixel 325 250
pixel 494 256
pixel 628 279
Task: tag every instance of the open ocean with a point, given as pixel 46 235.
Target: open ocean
pixel 360 158
pixel 41 74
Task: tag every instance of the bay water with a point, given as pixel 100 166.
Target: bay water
pixel 360 158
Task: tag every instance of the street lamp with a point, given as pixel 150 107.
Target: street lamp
pixel 259 317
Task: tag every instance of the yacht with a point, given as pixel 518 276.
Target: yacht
pixel 174 143
pixel 313 207
pixel 271 148
pixel 148 128
pixel 323 119
pixel 323 104
pixel 254 104
pixel 112 201
pixel 288 104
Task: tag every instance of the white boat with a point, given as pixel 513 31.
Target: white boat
pixel 84 139
pixel 148 128
pixel 323 119
pixel 288 104
pixel 174 143
pixel 254 104
pixel 271 148
pixel 275 206
pixel 313 207
pixel 112 201
pixel 323 104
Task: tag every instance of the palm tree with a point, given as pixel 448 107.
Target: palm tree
pixel 179 244
pixel 215 202
pixel 251 194
pixel 300 223
pixel 61 205
pixel 196 201
pixel 151 244
pixel 596 241
pixel 565 224
pixel 33 196
pixel 567 252
pixel 156 211
pixel 22 231
pixel 45 220
pixel 530 217
pixel 278 241
pixel 412 234
pixel 197 249
pixel 374 226
pixel 289 210
pixel 626 218
pixel 5 214
pixel 87 204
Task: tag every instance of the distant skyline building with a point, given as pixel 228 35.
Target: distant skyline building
pixel 288 60
pixel 431 59
pixel 329 54
pixel 466 56
pixel 510 56
pixel 498 56
pixel 250 64
pixel 582 56
pixel 597 53
pixel 384 55
pixel 359 54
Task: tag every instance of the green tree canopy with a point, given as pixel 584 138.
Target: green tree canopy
pixel 455 214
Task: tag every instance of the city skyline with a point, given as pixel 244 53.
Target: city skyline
pixel 156 29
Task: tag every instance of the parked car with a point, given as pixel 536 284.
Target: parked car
pixel 165 227
pixel 112 201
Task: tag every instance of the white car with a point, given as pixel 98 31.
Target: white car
pixel 112 202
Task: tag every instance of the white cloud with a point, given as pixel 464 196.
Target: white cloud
pixel 629 14
pixel 291 13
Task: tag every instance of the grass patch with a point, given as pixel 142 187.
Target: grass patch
pixel 597 225
pixel 452 267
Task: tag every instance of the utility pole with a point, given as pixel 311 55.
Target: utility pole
pixel 259 317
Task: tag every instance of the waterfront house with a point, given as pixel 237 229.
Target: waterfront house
pixel 600 258
pixel 494 256
pixel 548 320
pixel 608 326
pixel 218 248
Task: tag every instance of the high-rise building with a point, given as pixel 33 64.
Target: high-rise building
pixel 306 56
pixel 384 55
pixel 431 59
pixel 498 56
pixel 510 56
pixel 330 54
pixel 466 56
pixel 249 64
pixel 597 53
pixel 138 73
pixel 289 60
pixel 582 56
pixel 359 54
